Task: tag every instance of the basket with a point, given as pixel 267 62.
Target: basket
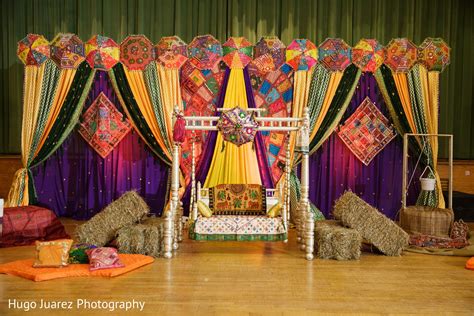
pixel 428 184
pixel 426 220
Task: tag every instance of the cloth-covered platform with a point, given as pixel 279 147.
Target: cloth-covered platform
pixel 24 269
pixel 25 224
pixel 238 227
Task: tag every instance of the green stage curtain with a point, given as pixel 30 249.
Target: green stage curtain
pixel 287 19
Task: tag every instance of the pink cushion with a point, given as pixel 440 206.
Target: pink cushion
pixel 103 258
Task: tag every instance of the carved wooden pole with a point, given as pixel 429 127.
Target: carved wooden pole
pixel 286 191
pixel 304 201
pixel 193 184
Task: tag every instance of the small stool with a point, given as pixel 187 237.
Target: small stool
pixel 333 241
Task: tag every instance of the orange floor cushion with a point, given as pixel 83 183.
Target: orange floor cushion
pixel 470 264
pixel 24 269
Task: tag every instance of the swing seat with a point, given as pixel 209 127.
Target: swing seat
pixel 232 222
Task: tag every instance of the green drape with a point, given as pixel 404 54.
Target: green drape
pixel 287 19
pixel 338 106
pixel 120 83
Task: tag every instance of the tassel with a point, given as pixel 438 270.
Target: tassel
pixel 179 130
pixel 223 146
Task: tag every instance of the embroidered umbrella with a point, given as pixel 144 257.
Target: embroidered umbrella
pixel 33 50
pixel 205 51
pixel 335 54
pixel 67 50
pixel 136 52
pixel 171 52
pixel 400 54
pixel 273 47
pixel 301 54
pixel 237 126
pixel 102 52
pixel 237 52
pixel 434 53
pixel 368 55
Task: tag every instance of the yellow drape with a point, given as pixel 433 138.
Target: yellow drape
pixel 65 81
pixel 401 82
pixel 430 90
pixel 330 92
pixel 302 82
pixel 32 86
pixel 137 84
pixel 235 165
pixel 170 90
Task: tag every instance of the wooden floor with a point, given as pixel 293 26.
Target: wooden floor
pixel 239 278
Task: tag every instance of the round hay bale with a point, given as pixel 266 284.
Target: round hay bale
pixel 102 228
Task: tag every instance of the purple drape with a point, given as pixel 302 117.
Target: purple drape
pixel 261 150
pixel 76 182
pixel 334 168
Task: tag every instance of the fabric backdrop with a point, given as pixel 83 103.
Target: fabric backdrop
pixel 288 19
pixel 76 182
pixel 334 168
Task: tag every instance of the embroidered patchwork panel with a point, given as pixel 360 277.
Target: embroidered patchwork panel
pixel 237 199
pixel 366 132
pixel 103 126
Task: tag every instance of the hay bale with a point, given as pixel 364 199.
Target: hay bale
pixel 372 225
pixel 140 239
pixel 333 241
pixel 102 228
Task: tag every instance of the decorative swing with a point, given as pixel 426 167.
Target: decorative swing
pixel 245 221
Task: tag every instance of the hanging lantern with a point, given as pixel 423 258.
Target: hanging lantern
pixel 33 50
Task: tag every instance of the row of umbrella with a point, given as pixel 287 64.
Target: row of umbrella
pixel 204 52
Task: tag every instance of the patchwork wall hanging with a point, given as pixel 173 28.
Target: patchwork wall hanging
pixel 103 126
pixel 366 132
pixel 204 52
pixel 237 126
pixel 400 55
pixel 368 55
pixel 171 52
pixel 102 52
pixel 434 53
pixel 136 52
pixel 335 54
pixel 237 52
pixel 67 50
pixel 33 50
pixel 301 54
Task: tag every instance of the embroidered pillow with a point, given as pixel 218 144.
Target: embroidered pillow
pixel 103 258
pixel 459 230
pixel 203 209
pixel 237 199
pixel 78 254
pixel 53 253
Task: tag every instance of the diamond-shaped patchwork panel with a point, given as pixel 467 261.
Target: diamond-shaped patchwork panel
pixel 366 132
pixel 103 126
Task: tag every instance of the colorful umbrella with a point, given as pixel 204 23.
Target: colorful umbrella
pixel 237 52
pixel 171 52
pixel 33 50
pixel 400 54
pixel 368 55
pixel 136 52
pixel 434 53
pixel 67 50
pixel 205 51
pixel 335 54
pixel 102 52
pixel 301 54
pixel 271 45
pixel 237 126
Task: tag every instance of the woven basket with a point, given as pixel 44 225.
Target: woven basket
pixel 426 220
